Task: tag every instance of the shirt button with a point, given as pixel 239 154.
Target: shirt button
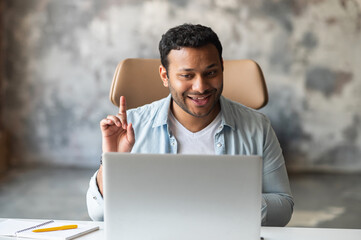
pixel 95 198
pixel 173 143
pixel 220 127
pixel 219 145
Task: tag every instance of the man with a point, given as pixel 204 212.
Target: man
pixel 196 114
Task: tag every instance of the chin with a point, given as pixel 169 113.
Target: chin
pixel 199 114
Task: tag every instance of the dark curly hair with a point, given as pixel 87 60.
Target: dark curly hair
pixel 187 35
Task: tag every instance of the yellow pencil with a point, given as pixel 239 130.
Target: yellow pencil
pixel 65 227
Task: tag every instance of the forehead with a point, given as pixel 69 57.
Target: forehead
pixel 189 57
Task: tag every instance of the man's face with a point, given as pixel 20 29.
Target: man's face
pixel 195 80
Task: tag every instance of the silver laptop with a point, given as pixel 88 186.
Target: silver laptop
pixel 185 197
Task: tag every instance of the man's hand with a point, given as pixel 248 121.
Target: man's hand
pixel 117 136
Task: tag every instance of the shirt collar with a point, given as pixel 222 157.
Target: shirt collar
pixel 161 117
pixel 227 119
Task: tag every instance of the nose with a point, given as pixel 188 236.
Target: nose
pixel 200 84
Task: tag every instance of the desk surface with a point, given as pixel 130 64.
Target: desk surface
pixel 269 233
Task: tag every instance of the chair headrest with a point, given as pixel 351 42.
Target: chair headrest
pixel 139 81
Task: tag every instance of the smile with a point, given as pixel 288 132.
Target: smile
pixel 200 100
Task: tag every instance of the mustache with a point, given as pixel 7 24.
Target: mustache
pixel 211 91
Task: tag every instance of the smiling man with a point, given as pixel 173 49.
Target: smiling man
pixel 196 114
pixel 195 80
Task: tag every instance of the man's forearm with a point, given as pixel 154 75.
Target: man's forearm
pixel 94 200
pixel 278 209
pixel 99 179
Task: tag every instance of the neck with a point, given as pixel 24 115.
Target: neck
pixel 192 123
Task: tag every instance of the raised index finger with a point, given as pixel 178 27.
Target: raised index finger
pixel 123 108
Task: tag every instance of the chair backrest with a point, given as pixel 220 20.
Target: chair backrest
pixel 139 81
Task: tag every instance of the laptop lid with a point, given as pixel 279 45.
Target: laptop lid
pixel 165 196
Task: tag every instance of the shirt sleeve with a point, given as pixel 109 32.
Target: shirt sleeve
pixel 277 200
pixel 94 199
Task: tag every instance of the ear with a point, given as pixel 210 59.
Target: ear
pixel 163 75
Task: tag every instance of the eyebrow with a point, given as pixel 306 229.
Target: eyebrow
pixel 191 69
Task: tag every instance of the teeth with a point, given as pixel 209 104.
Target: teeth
pixel 198 98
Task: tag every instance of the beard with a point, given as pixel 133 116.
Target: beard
pixel 180 99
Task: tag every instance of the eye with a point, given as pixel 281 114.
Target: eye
pixel 211 73
pixel 187 76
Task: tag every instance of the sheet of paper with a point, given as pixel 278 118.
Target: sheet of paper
pixel 10 227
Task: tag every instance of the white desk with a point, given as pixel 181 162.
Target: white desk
pixel 269 233
pixel 291 233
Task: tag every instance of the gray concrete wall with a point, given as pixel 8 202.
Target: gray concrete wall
pixel 61 55
pixel 3 138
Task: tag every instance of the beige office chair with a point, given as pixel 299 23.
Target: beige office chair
pixel 139 81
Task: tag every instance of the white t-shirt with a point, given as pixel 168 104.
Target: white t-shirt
pixel 201 142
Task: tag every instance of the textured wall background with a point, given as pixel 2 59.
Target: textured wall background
pixel 61 55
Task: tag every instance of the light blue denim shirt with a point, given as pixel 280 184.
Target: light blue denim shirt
pixel 243 131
